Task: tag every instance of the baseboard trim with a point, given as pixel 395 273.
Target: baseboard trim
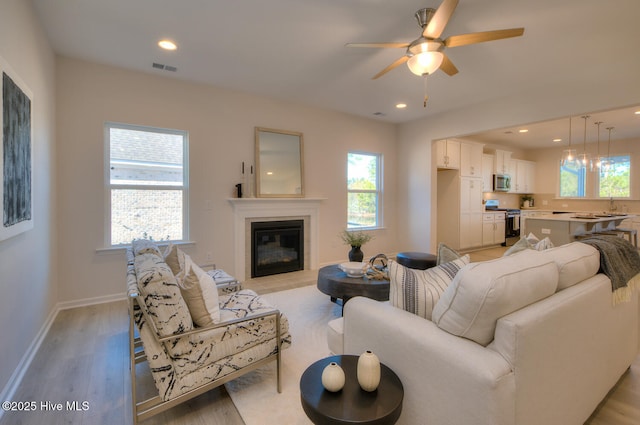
pixel 16 377
pixel 66 305
pixel 15 380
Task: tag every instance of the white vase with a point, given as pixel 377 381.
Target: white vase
pixel 368 371
pixel 333 377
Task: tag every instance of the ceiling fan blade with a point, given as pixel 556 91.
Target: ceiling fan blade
pixel 480 37
pixel 378 45
pixel 440 19
pixel 447 66
pixel 397 63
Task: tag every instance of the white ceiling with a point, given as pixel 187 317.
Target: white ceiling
pixel 294 50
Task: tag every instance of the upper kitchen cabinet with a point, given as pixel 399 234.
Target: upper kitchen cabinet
pixel 523 176
pixel 470 159
pixel 487 172
pixel 448 154
pixel 502 162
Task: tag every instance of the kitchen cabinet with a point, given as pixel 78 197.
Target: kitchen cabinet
pixel 487 172
pixel 471 210
pixel 448 154
pixel 523 176
pixel 493 228
pixel 502 162
pixel 470 159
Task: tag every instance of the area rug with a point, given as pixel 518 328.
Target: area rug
pixel 255 394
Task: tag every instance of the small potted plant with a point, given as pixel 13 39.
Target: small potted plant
pixel 527 201
pixel 355 239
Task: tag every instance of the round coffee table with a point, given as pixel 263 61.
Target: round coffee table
pixel 351 405
pixel 335 283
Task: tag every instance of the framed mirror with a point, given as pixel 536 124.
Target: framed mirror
pixel 279 164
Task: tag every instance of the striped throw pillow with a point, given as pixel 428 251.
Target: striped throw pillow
pixel 418 291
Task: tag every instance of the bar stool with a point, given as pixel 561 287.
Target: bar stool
pixel 629 233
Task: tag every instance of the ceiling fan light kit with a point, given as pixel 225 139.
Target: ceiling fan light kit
pixel 425 63
pixel 425 55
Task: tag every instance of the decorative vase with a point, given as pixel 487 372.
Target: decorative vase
pixel 356 254
pixel 368 371
pixel 333 377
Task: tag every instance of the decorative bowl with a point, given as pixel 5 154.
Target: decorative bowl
pixel 354 268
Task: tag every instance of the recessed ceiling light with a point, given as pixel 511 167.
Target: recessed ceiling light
pixel 167 44
pixel 557 140
pixel 401 105
pixel 523 130
pixel 637 112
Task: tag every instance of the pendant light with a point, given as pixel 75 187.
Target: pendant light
pixel 608 162
pixel 597 162
pixel 584 158
pixel 568 155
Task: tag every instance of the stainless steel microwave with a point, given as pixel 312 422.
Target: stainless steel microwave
pixel 501 182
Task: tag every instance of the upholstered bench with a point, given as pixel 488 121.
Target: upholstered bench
pixel 416 260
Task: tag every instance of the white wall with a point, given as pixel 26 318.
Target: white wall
pixel 28 261
pixel 417 175
pixel 221 134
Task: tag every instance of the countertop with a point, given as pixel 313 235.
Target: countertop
pixel 582 217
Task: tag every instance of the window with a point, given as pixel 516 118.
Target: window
pixel 363 190
pixel 611 180
pixel 572 180
pixel 147 184
pixel 614 177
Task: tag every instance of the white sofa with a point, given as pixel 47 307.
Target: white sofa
pixel 550 362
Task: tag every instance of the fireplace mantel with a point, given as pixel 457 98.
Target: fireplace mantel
pixel 269 208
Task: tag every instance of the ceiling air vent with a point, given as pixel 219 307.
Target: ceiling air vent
pixel 379 114
pixel 165 67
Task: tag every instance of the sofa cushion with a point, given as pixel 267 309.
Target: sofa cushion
pixel 483 292
pixel 161 294
pixel 199 292
pixel 417 291
pixel 576 262
pixel 193 352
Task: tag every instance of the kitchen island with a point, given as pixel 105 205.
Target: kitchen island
pixel 567 227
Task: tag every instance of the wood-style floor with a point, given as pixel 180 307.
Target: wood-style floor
pixel 84 358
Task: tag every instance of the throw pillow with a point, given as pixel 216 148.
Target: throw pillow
pixel 519 246
pixel 543 244
pixel 418 291
pixel 145 246
pixel 162 296
pixel 484 292
pixel 446 254
pixel 200 293
pixel 174 257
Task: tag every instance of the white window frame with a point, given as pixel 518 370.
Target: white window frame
pixel 379 191
pixel 597 178
pixel 109 187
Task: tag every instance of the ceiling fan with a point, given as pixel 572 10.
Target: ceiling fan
pixel 425 54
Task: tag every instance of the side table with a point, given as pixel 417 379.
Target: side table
pixel 351 405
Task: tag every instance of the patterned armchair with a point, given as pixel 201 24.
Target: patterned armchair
pixel 185 359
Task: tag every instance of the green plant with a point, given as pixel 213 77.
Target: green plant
pixel 354 238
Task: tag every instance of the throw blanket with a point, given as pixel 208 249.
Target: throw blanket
pixel 620 261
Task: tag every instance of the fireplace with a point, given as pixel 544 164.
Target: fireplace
pixel 276 247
